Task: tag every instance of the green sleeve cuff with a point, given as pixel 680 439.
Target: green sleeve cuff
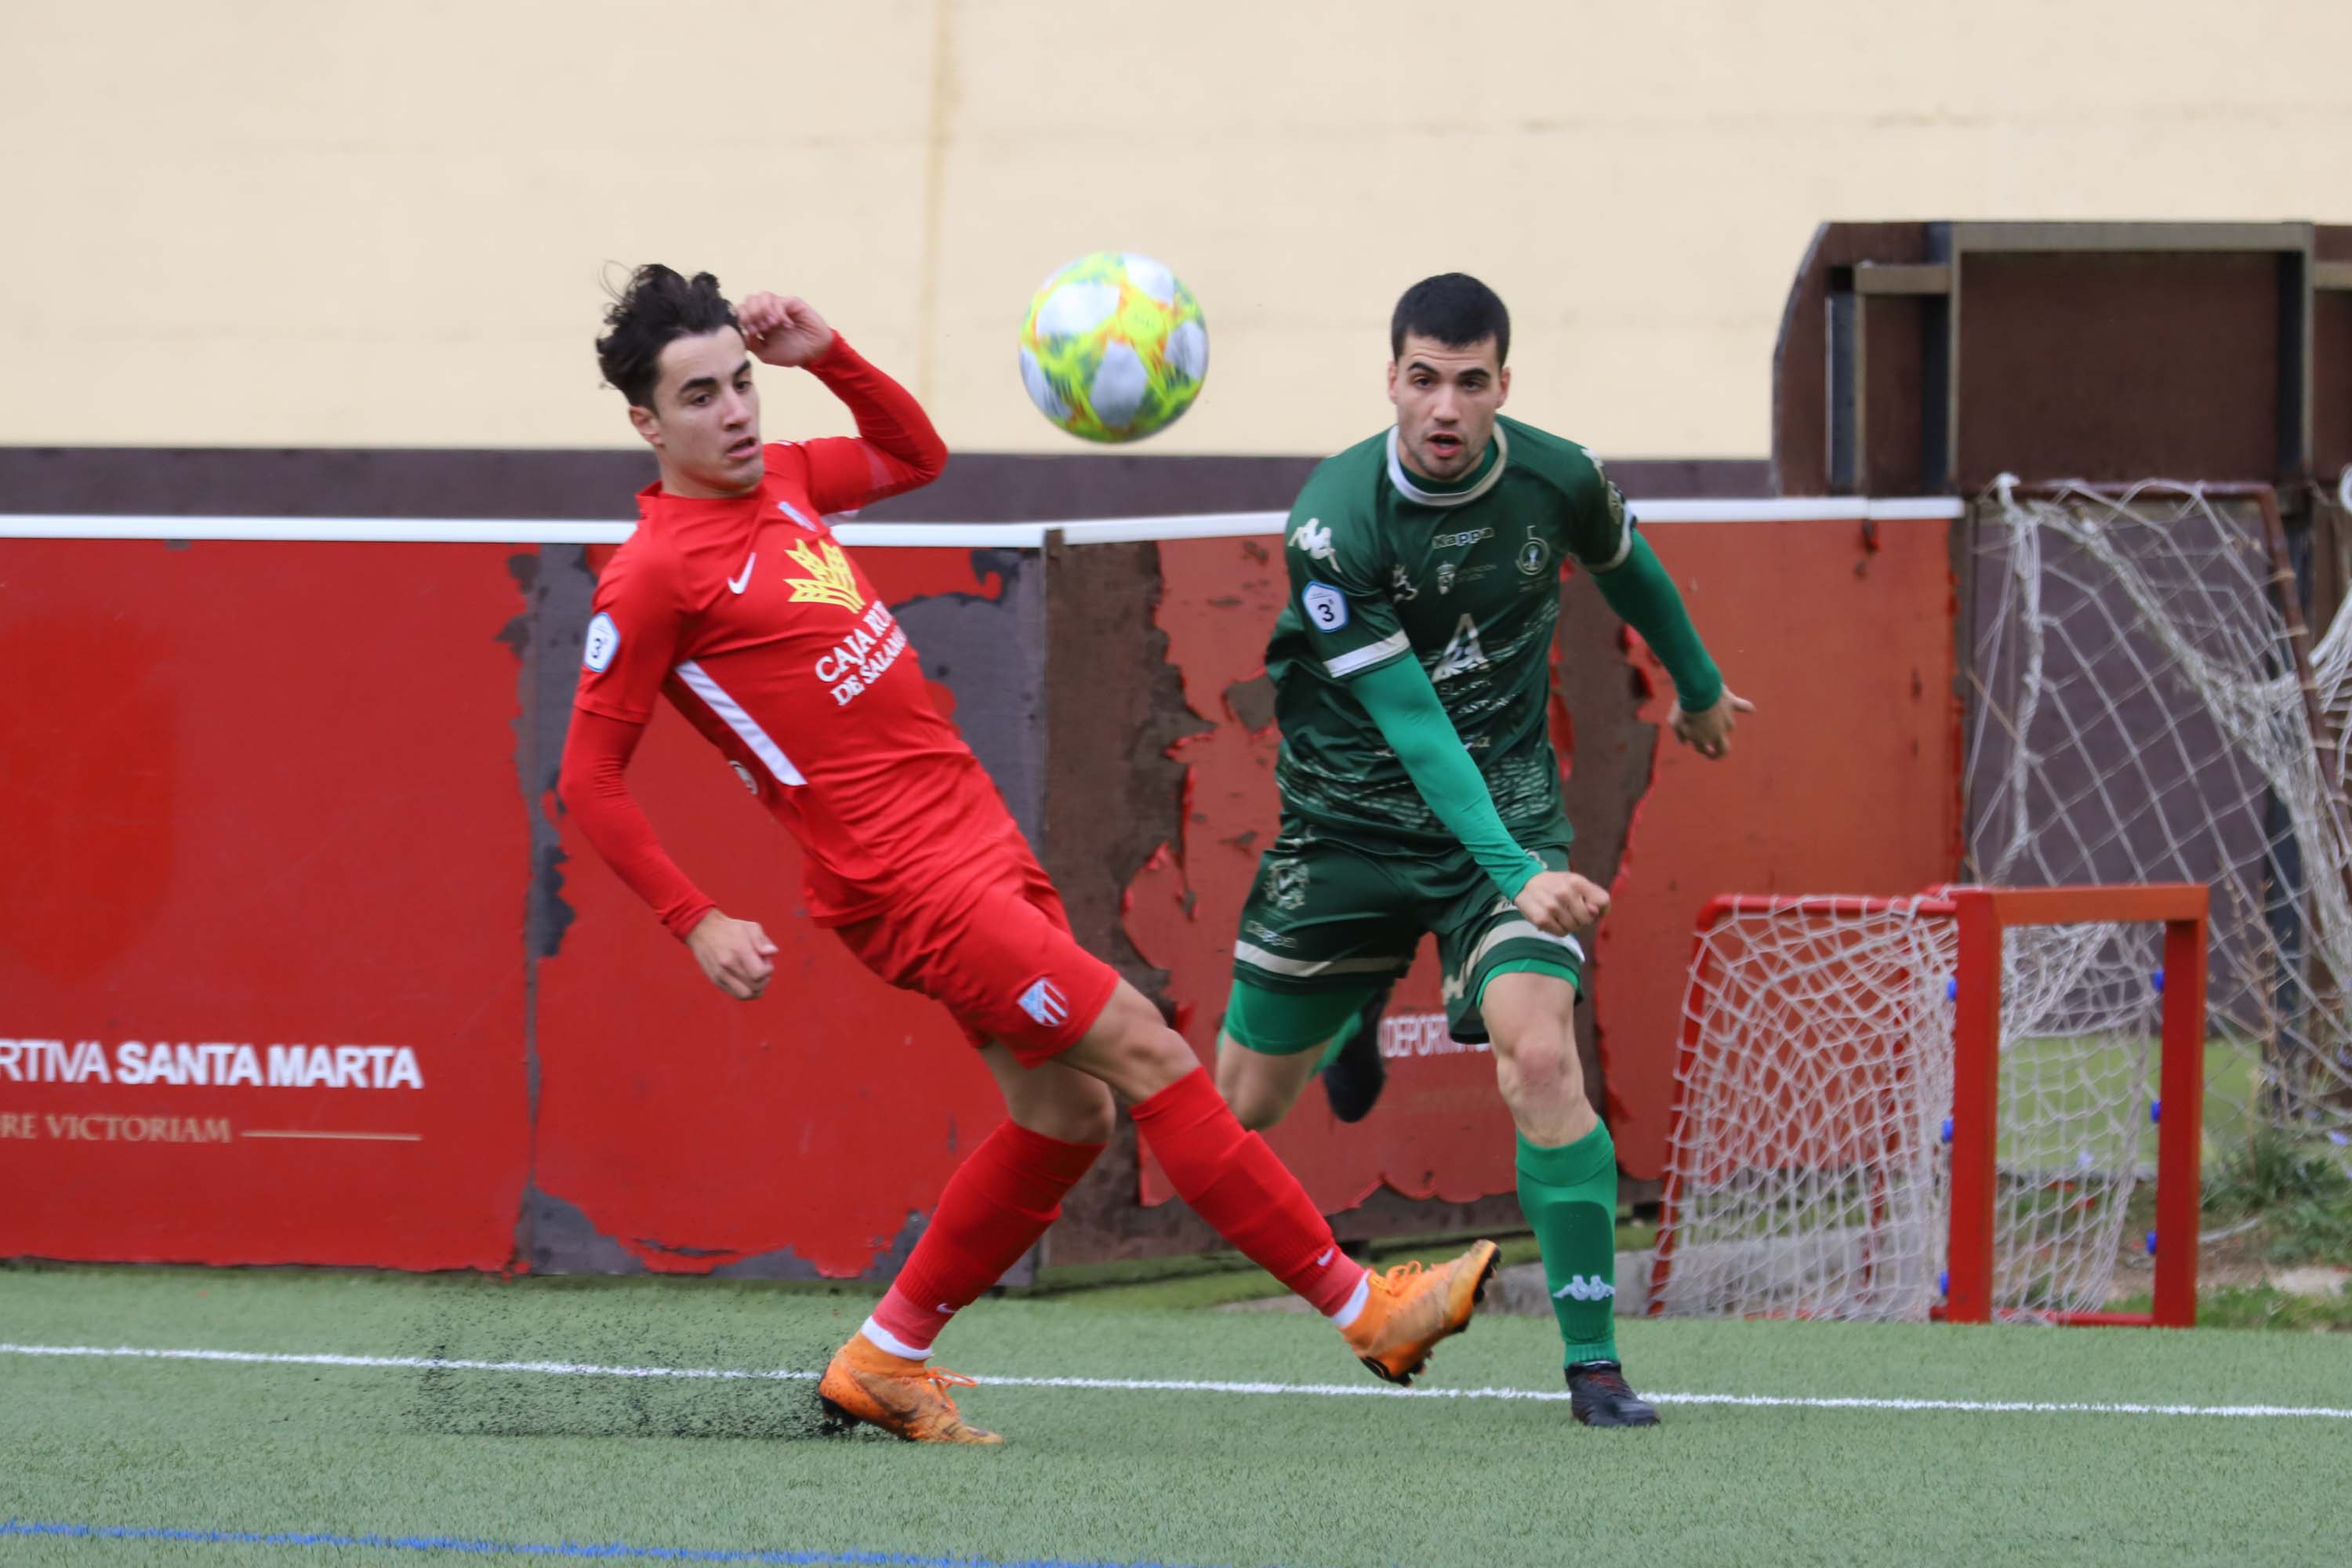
pixel 1645 599
pixel 1411 720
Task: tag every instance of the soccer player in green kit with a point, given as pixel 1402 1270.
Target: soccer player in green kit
pixel 1419 790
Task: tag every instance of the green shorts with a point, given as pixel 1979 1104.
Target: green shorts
pixel 1324 916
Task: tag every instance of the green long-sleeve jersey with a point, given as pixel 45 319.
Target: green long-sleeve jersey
pixel 1466 578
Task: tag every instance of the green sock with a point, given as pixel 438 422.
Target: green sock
pixel 1570 1197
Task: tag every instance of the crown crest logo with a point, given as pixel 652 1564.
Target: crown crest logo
pixel 830 580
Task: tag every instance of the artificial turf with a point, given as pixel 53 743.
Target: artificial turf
pixel 1123 1475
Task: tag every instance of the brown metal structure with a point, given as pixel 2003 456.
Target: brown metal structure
pixel 1927 358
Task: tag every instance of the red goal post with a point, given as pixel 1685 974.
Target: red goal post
pixel 1978 919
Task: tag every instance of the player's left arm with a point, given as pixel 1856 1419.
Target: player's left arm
pixel 1634 584
pixel 895 449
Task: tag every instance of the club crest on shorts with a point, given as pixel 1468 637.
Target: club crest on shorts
pixel 1286 884
pixel 1044 1002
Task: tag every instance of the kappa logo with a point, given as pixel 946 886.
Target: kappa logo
pixel 1044 1002
pixel 830 580
pixel 1457 541
pixel 1583 1288
pixel 1316 539
pixel 1268 935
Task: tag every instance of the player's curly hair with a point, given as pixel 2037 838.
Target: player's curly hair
pixel 658 305
pixel 1456 310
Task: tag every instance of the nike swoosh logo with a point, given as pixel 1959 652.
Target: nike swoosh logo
pixel 1325 1257
pixel 737 584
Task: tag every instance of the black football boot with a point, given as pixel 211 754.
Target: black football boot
pixel 1598 1396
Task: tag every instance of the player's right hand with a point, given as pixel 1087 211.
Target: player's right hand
pixel 736 955
pixel 783 328
pixel 1559 902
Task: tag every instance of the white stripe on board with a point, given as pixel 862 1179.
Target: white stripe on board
pixel 936 535
pixel 699 679
pixel 316 530
pixel 1188 1385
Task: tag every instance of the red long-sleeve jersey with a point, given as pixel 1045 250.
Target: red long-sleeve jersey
pixel 750 617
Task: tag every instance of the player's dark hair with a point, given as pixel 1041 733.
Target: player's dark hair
pixel 658 306
pixel 1455 309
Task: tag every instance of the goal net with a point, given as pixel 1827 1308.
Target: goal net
pixel 2140 713
pixel 1810 1169
pixel 2146 708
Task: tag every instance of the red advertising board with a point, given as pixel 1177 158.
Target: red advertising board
pixel 259 1000
pixel 280 982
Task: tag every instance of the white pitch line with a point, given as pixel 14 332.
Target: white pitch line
pixel 1187 1386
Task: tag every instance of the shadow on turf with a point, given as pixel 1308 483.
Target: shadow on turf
pixel 471 1404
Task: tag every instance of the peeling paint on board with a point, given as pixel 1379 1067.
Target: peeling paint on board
pixel 1442 1130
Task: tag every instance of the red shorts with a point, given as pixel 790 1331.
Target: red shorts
pixel 998 952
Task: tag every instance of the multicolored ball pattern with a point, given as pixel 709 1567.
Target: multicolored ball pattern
pixel 1115 348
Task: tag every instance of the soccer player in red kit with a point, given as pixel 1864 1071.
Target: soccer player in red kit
pixel 734 600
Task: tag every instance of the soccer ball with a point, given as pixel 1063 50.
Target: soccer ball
pixel 1114 348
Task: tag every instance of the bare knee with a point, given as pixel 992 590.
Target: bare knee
pixel 1262 1087
pixel 1546 1073
pixel 1256 1106
pixel 1543 1084
pixel 1131 1050
pixel 1069 1106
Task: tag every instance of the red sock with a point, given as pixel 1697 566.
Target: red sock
pixel 996 1206
pixel 1235 1183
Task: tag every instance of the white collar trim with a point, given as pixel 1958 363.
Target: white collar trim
pixel 1414 492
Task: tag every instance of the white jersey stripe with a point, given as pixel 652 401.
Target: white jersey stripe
pixel 1257 957
pixel 1625 546
pixel 1370 654
pixel 1514 930
pixel 698 681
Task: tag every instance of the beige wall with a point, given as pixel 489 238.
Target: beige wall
pixel 309 222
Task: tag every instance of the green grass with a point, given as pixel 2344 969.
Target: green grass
pixel 2262 1306
pixel 2075 1080
pixel 1125 1476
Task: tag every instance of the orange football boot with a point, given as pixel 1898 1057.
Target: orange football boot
pixel 1410 1308
pixel 905 1398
